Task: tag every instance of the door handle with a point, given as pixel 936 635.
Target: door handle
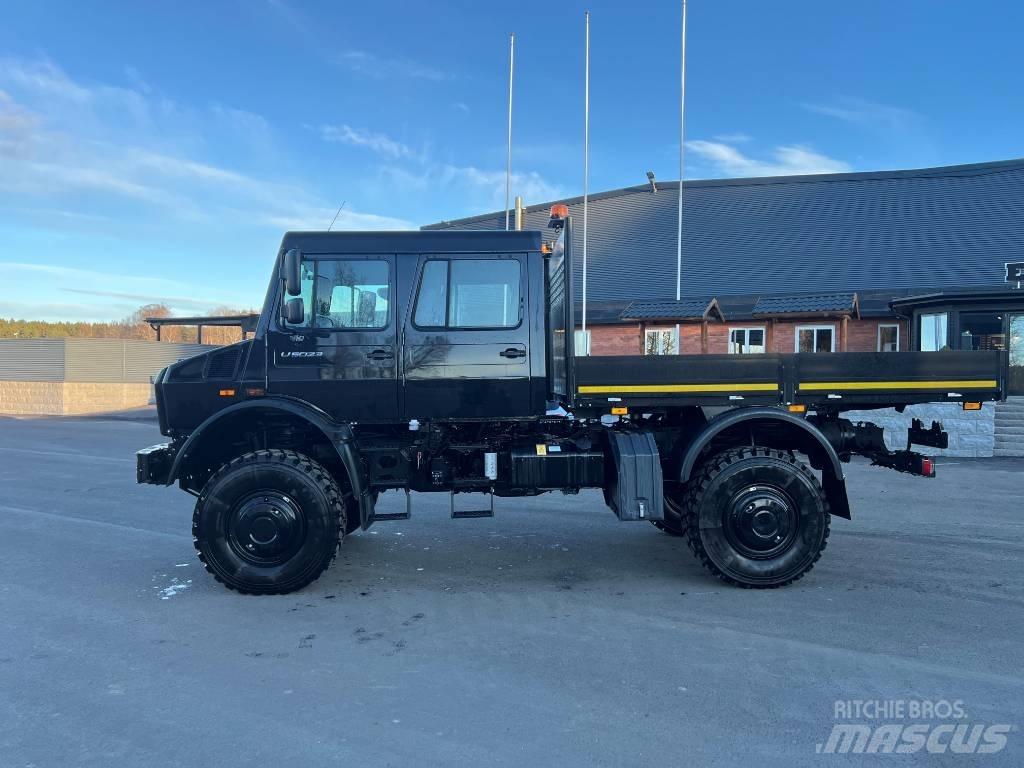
pixel 513 352
pixel 379 354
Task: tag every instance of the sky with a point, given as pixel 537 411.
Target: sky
pixel 156 152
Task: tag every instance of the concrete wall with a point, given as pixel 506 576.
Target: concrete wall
pixel 971 433
pixel 57 377
pixel 63 398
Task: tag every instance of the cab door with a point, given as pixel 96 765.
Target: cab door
pixel 466 350
pixel 342 356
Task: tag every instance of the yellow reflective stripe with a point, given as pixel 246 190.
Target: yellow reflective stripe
pixel 662 388
pixel 957 384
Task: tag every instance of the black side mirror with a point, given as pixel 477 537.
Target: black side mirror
pixel 294 312
pixel 290 271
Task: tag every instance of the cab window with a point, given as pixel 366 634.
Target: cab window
pixel 344 294
pixel 468 293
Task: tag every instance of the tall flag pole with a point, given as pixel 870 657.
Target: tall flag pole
pixel 508 160
pixel 586 165
pixel 682 113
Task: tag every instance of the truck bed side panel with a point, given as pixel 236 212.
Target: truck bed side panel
pixel 844 380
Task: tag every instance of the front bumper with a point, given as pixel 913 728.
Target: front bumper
pixel 153 464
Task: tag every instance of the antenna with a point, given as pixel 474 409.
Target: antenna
pixel 336 215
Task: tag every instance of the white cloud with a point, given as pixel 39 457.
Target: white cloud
pixel 733 138
pixel 60 137
pixel 384 67
pixel 483 190
pixel 132 290
pixel 356 137
pixel 793 160
pixel 866 113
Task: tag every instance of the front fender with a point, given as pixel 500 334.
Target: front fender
pixel 833 481
pixel 339 435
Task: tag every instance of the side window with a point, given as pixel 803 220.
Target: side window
pixel 430 306
pixel 345 293
pixel 469 293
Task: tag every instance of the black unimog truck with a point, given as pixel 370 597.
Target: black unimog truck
pixel 443 361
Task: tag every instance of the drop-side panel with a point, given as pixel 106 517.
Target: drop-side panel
pixel 843 381
pixel 680 379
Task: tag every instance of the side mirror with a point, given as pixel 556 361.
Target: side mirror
pixel 290 271
pixel 294 312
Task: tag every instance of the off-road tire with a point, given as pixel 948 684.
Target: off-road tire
pixel 674 523
pixel 244 496
pixel 717 498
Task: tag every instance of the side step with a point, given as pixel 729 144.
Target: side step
pixel 378 517
pixel 458 514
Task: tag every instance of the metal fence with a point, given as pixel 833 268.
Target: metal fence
pixel 89 360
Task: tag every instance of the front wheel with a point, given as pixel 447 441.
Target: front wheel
pixel 269 522
pixel 756 517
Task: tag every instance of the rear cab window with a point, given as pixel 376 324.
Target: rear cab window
pixel 469 294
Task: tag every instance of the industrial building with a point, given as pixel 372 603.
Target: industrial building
pixel 879 261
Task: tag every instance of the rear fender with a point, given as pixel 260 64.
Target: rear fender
pixel 808 438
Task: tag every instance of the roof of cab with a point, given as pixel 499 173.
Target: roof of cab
pixel 413 241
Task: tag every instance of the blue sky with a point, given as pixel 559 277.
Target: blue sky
pixel 157 151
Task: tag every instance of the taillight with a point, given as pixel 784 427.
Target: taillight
pixel 927 467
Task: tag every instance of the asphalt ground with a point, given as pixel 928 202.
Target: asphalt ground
pixel 550 635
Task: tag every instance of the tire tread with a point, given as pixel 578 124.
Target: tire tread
pixel 696 488
pixel 336 498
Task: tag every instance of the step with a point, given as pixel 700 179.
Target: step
pixel 1009 429
pixel 1008 452
pixel 462 514
pixel 385 516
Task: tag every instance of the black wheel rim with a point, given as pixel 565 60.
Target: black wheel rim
pixel 266 528
pixel 761 522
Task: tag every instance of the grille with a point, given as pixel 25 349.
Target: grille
pixel 222 364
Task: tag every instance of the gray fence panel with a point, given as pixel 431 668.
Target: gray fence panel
pixel 94 360
pixel 144 359
pixel 32 359
pixel 117 360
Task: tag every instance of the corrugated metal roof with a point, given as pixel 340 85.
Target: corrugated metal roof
pixel 792 305
pixel 953 226
pixel 684 309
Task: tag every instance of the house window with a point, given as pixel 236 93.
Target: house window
pixel 581 342
pixel 933 332
pixel 815 338
pixel 982 330
pixel 745 341
pixel 660 341
pixel 888 338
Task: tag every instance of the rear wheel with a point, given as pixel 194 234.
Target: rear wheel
pixel 269 522
pixel 756 517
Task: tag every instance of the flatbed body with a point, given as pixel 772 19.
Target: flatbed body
pixel 836 381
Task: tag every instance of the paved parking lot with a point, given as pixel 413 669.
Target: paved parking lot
pixel 549 635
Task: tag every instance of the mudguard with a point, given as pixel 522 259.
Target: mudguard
pixel 833 480
pixel 340 437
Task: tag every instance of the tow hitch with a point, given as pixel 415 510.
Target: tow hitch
pixel 905 461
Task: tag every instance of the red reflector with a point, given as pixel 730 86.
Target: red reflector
pixel 927 467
